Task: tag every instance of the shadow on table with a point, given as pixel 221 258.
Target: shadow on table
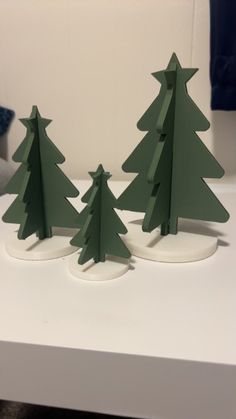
pixel 197 227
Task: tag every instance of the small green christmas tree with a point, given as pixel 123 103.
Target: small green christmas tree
pixel 171 160
pixel 99 223
pixel 41 186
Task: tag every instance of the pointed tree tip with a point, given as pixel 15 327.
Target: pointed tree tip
pixel 100 171
pixel 227 216
pixel 174 56
pixel 191 71
pixel 157 75
pixel 35 111
pixel 25 122
pixel 174 60
pixel 36 114
pixel 100 168
pixel 46 122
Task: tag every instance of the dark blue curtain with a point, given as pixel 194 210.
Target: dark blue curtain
pixel 6 116
pixel 223 54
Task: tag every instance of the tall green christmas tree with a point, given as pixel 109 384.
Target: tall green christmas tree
pixel 41 186
pixel 100 225
pixel 171 160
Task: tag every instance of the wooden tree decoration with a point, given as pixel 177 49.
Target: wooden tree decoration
pixel 41 186
pixel 171 160
pixel 99 223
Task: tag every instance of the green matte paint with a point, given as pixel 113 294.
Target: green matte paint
pixel 171 160
pixel 41 186
pixel 99 224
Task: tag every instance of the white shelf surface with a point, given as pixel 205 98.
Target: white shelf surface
pixel 155 321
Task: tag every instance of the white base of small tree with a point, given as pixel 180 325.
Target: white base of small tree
pixel 102 271
pixel 182 247
pixel 34 249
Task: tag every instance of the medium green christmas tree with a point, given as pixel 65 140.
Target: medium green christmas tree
pixel 100 225
pixel 41 186
pixel 171 160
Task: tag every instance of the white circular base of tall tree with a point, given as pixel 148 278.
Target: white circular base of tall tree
pixel 34 249
pixel 181 247
pixel 102 271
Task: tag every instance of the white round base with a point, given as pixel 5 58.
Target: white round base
pixel 102 271
pixel 34 249
pixel 181 247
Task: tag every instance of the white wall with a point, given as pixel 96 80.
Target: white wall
pixel 87 65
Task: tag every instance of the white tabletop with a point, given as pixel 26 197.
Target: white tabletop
pixel 180 311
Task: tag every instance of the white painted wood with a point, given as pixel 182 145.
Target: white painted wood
pixel 34 249
pixel 182 247
pixel 158 342
pixel 173 292
pixel 102 271
pixel 115 383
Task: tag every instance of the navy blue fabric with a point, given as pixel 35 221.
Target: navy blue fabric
pixel 6 116
pixel 223 54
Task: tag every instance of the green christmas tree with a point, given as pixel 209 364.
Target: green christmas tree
pixel 41 186
pixel 171 160
pixel 100 225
